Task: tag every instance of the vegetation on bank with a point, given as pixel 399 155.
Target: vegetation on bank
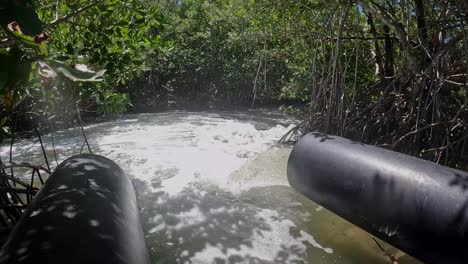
pixel 392 73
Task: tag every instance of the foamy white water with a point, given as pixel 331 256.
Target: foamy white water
pixel 212 188
pixel 199 147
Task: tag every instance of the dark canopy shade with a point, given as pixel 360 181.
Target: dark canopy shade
pixel 86 213
pixel 418 206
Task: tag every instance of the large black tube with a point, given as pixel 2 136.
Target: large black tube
pixel 86 213
pixel 415 205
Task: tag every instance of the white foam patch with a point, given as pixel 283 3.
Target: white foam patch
pixel 201 147
pixel 305 237
pixel 189 218
pixel 266 244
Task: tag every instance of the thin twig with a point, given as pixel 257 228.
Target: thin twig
pixel 392 258
pixel 395 144
pixel 20 182
pixel 82 129
pixel 11 165
pixel 40 177
pixel 53 144
pixel 11 151
pixel 43 149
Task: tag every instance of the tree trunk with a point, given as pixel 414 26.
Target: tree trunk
pixel 421 20
pixel 399 30
pixel 389 61
pixel 378 53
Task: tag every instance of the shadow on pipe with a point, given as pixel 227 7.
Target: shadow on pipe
pixel 86 213
pixel 415 205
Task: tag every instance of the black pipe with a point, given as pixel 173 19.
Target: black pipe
pixel 415 205
pixel 86 213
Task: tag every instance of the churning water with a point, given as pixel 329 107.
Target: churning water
pixel 212 188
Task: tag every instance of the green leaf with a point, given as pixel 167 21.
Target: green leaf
pixel 28 40
pixel 3 121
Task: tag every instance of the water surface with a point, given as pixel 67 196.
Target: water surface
pixel 212 188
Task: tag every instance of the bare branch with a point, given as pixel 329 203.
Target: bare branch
pixel 11 165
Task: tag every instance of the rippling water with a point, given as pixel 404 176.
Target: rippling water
pixel 212 188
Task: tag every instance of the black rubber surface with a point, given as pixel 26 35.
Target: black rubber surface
pixel 418 206
pixel 86 213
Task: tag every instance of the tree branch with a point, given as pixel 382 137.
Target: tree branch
pixel 75 13
pixel 395 26
pixel 23 165
pixel 10 42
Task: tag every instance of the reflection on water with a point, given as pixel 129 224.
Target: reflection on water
pixel 212 188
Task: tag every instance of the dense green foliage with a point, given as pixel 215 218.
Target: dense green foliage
pixel 50 77
pixel 216 54
pixel 390 73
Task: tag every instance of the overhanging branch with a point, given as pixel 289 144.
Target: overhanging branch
pixel 10 42
pixel 75 13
